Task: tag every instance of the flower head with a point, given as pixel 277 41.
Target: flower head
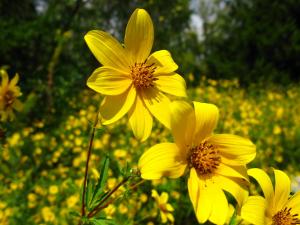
pixel 9 92
pixel 281 209
pixel 216 162
pixel 132 80
pixel 165 208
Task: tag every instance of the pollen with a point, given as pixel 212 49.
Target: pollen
pixel 142 75
pixel 205 158
pixel 285 217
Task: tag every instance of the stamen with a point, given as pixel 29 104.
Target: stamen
pixel 9 98
pixel 285 217
pixel 142 75
pixel 204 158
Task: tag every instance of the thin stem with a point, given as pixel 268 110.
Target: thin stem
pixel 99 206
pixel 87 165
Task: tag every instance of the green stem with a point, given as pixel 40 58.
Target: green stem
pixel 99 206
pixel 87 165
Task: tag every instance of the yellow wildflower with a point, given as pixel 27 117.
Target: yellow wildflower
pixel 281 209
pixel 47 214
pixel 165 208
pixel 53 189
pixel 217 161
pixel 9 92
pixel 133 81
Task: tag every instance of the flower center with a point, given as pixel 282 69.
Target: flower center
pixel 284 217
pixel 9 99
pixel 204 158
pixel 142 75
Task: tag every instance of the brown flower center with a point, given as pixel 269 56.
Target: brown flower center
pixel 142 75
pixel 9 98
pixel 284 217
pixel 205 158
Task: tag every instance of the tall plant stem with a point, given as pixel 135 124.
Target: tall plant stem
pixel 87 165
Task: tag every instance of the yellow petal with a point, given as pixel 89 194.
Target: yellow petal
pixel 158 104
pixel 107 50
pixel 235 150
pixel 282 189
pixel 253 210
pixel 163 216
pixel 115 107
pixel 163 62
pixel 200 197
pixel 220 205
pixel 139 36
pixel 14 81
pixel 172 84
pixel 234 186
pixel 264 182
pixel 164 198
pixel 232 171
pixel 163 159
pixel 108 81
pixel 140 120
pixel 294 203
pixel 182 123
pixel 207 116
pixel 5 78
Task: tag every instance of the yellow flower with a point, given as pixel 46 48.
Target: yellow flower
pixel 281 209
pixel 217 162
pixel 9 92
pixel 133 80
pixel 165 208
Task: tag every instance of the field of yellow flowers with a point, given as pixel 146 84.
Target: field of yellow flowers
pixel 42 168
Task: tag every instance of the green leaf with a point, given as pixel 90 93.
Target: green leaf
pixel 102 179
pixel 102 221
pixel 233 220
pixel 89 194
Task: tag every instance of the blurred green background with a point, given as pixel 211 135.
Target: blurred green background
pixel 242 55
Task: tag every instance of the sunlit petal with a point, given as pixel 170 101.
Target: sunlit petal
pixel 115 107
pixel 206 118
pixel 139 35
pixel 108 81
pixel 182 122
pixel 158 104
pixel 282 189
pixel 163 62
pixel 163 159
pixel 264 182
pixel 235 150
pixel 172 84
pixel 232 171
pixel 234 186
pixel 107 50
pixel 200 197
pixel 220 205
pixel 140 120
pixel 253 210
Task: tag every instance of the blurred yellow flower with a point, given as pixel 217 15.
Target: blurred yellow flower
pixel 217 161
pixel 165 208
pixel 133 81
pixel 281 209
pixel 47 214
pixel 53 190
pixel 9 92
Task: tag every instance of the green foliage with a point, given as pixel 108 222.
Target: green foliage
pixel 254 40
